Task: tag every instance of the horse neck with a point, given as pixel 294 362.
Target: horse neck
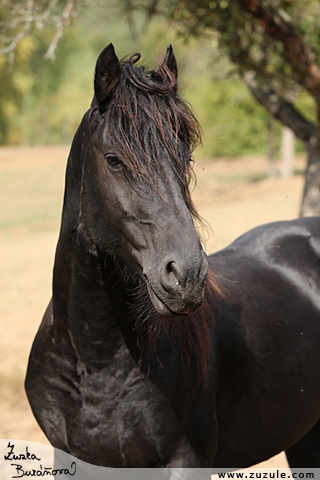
pixel 86 312
pixel 76 159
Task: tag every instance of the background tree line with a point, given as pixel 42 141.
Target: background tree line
pixel 43 101
pixel 241 63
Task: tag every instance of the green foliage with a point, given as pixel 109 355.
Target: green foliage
pixel 42 101
pixel 274 61
pixel 245 40
pixel 232 122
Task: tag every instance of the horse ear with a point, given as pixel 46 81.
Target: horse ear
pixel 170 61
pixel 107 74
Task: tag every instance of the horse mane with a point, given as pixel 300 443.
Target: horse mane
pixel 193 333
pixel 145 119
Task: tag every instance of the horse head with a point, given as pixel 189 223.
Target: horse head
pixel 135 199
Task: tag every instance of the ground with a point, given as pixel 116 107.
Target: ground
pixel 231 195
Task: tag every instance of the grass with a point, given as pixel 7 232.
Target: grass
pixel 230 198
pixel 232 195
pixel 31 193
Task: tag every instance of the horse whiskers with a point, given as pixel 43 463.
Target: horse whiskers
pixel 190 336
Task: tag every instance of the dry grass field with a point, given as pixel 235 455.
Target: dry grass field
pixel 232 195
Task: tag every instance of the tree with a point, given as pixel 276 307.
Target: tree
pixel 18 18
pixel 275 45
pixel 296 43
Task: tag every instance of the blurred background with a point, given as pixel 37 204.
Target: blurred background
pixel 252 79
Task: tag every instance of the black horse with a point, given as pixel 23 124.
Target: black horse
pixel 145 358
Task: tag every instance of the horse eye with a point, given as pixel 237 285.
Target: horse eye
pixel 113 159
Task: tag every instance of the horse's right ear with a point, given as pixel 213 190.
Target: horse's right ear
pixel 170 61
pixel 171 64
pixel 107 74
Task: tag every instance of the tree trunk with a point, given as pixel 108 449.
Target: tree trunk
pixel 303 62
pixel 310 204
pixel 272 170
pixel 287 152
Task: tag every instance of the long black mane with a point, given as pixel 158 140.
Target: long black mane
pixel 146 120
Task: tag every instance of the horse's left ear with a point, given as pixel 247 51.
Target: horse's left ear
pixel 170 61
pixel 107 74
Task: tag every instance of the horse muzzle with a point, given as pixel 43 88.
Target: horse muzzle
pixel 180 287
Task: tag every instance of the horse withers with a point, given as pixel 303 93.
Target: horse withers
pixel 150 354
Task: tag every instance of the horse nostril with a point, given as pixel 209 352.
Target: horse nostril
pixel 171 276
pixel 173 273
pixel 170 267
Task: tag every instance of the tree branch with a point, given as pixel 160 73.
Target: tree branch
pixel 30 15
pixel 60 25
pixel 280 109
pixel 10 49
pixel 298 53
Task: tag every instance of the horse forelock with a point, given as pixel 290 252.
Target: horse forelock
pixel 146 121
pixel 146 102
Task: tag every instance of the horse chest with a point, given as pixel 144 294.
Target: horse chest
pixel 119 418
